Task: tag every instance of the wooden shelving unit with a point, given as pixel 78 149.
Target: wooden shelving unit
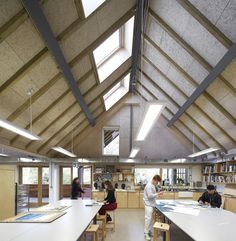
pixel 222 172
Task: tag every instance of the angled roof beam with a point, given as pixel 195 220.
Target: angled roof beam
pixel 37 16
pixel 221 65
pixel 194 83
pixel 64 34
pixel 192 10
pixel 174 127
pixel 139 23
pixel 190 50
pixel 101 117
pixel 97 92
pixel 204 113
pixel 178 106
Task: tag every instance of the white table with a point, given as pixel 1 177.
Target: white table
pixel 201 224
pixel 69 227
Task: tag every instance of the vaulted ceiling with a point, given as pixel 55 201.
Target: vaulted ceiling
pixel 182 43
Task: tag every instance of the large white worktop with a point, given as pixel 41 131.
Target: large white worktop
pixel 69 227
pixel 201 224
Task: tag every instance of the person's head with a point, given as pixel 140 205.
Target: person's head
pixel 108 185
pixel 211 189
pixel 75 181
pixel 156 180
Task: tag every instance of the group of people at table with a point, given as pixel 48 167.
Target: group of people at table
pixel 210 197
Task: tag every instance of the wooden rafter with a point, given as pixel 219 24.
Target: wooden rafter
pixel 190 50
pixel 204 113
pixel 44 52
pixel 105 86
pixel 163 115
pixel 211 28
pixel 194 83
pixel 52 105
pixel 178 106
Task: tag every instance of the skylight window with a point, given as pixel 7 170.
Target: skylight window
pixel 115 50
pixel 117 92
pixel 90 6
pixel 107 48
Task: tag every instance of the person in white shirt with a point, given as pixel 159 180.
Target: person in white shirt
pixel 149 197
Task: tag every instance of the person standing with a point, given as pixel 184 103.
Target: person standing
pixel 76 189
pixel 149 196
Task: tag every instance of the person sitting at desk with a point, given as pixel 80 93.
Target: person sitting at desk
pixel 109 201
pixel 76 189
pixel 211 197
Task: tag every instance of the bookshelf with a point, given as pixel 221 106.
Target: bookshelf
pixel 222 172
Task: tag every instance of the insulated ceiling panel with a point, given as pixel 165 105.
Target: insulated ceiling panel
pixel 25 41
pixel 60 14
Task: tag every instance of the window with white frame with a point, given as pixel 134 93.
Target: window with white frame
pixel 90 6
pixel 111 141
pixel 115 50
pixel 117 92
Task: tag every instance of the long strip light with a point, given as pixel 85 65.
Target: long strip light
pixel 152 112
pixel 18 130
pixel 25 159
pixel 134 152
pixel 63 151
pixel 203 152
pixel 4 155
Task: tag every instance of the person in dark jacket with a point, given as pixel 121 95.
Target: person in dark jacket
pixel 109 201
pixel 211 197
pixel 76 189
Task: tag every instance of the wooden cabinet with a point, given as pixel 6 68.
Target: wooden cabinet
pixel 7 191
pixel 167 196
pixel 122 199
pixel 141 203
pixel 133 199
pixel 96 195
pixel 230 204
pixel 197 195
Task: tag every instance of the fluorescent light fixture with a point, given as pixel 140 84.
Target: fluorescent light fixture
pixel 18 130
pixel 180 160
pixel 134 152
pixel 4 155
pixel 129 161
pixel 63 151
pixel 82 160
pixel 152 112
pixel 203 152
pixel 25 159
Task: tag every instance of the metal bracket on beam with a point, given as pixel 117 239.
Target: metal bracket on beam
pixel 139 22
pixel 221 65
pixel 35 12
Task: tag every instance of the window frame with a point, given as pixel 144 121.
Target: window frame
pixel 110 128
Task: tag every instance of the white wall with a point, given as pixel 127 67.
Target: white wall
pixel 161 143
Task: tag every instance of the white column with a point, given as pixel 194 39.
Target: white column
pixel 53 182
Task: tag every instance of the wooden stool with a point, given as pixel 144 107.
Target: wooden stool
pixel 159 217
pixel 164 227
pixel 112 223
pixel 103 219
pixel 93 228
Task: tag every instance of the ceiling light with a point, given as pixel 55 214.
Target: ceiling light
pixel 18 130
pixel 134 152
pixel 25 159
pixel 63 151
pixel 153 111
pixel 4 155
pixel 203 152
pixel 180 160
